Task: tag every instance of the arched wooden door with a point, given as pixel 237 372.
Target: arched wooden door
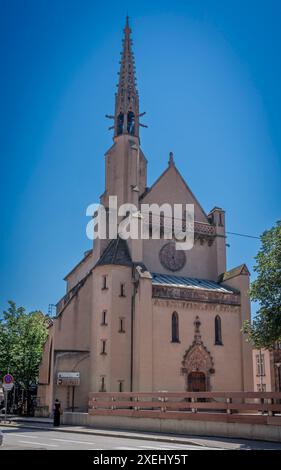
pixel 196 382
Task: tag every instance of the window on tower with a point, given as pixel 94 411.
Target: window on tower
pixel 103 347
pixel 120 123
pixel 131 123
pixel 122 290
pixel 104 282
pixel 121 325
pixel 103 318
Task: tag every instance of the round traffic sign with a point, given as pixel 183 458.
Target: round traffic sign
pixel 8 379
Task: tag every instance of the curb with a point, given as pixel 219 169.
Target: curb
pixel 119 434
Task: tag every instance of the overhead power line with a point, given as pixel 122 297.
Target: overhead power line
pixel 243 235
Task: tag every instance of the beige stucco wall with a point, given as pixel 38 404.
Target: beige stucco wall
pixel 170 188
pixel 200 260
pixel 80 271
pixel 72 327
pixel 70 337
pixel 168 356
pixel 76 362
pixel 115 365
pixel 125 169
pixel 242 284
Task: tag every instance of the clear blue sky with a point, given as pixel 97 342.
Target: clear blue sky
pixel 209 77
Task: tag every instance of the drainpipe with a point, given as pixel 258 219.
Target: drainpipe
pixel 132 327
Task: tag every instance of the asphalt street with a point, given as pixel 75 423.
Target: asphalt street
pixel 26 438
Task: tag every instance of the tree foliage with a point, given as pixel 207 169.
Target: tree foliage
pixel 22 338
pixel 265 329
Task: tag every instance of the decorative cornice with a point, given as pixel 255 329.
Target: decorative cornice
pixel 178 293
pixel 176 304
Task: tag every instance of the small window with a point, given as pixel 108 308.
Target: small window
pixel 102 384
pixel 104 282
pixel 175 328
pixel 103 318
pixel 260 365
pixel 218 335
pixel 122 290
pixel 103 346
pixel 121 325
pixel 121 385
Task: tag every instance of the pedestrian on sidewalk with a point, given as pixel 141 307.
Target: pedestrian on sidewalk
pixel 57 412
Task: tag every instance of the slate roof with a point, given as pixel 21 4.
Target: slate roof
pixel 117 252
pixel 188 282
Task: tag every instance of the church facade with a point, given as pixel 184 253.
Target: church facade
pixel 139 315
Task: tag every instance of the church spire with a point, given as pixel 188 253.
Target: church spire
pixel 126 116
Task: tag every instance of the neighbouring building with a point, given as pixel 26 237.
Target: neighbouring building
pixel 139 315
pixel 267 369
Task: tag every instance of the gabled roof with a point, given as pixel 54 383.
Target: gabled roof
pixel 188 282
pixel 117 252
pixel 242 269
pixel 172 167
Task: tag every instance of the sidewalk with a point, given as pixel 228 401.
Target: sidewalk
pixel 200 441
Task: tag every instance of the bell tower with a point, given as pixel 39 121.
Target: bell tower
pixel 125 162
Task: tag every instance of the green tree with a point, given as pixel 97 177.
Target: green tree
pixel 22 338
pixel 265 329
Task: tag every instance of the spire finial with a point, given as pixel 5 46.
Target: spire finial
pixel 171 159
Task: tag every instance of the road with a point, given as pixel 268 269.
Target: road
pixel 27 438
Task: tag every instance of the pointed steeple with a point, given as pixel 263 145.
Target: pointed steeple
pixel 126 115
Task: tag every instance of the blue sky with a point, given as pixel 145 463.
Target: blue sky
pixel 209 77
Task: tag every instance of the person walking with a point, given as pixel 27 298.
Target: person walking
pixel 57 412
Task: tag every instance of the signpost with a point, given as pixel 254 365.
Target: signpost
pixel 68 378
pixel 8 383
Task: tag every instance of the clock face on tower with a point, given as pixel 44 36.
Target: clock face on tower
pixel 170 258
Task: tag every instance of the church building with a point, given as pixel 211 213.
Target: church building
pixel 138 314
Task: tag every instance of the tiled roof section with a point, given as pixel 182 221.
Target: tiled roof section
pixel 242 269
pixel 188 282
pixel 117 252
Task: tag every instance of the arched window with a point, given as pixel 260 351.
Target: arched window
pixel 218 335
pixel 175 328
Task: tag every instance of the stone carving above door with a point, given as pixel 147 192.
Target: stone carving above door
pixel 197 358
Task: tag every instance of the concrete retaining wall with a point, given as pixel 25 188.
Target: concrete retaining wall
pixel 264 432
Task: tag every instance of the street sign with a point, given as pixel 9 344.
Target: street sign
pixel 8 387
pixel 69 379
pixel 8 383
pixel 8 379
